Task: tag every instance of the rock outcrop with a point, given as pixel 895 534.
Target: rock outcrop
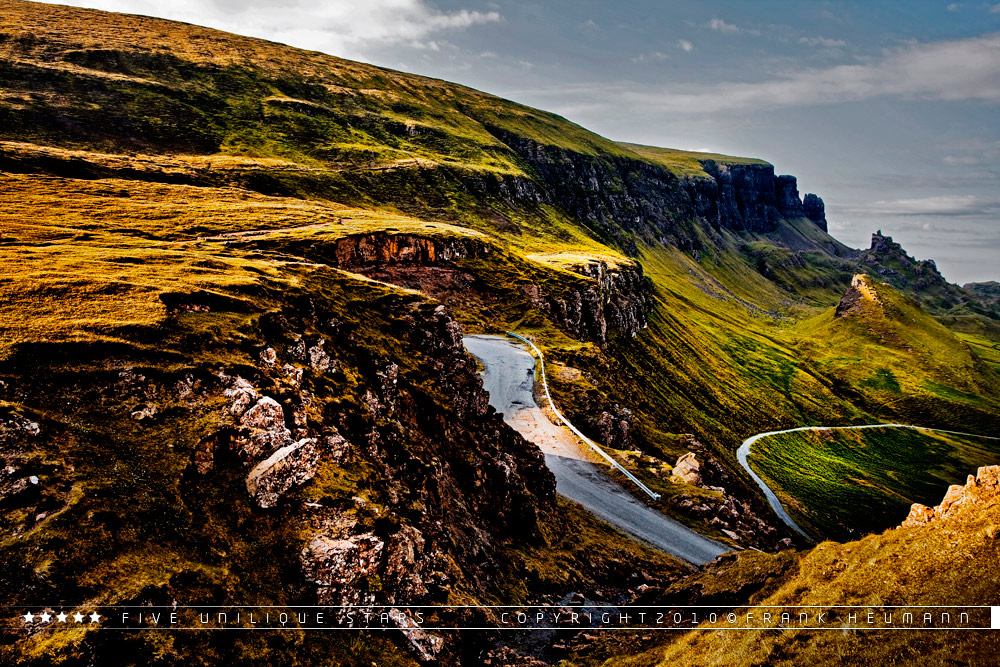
pixel 749 197
pixel 744 197
pixel 379 248
pixel 616 300
pixel 859 298
pixel 814 209
pixel 289 466
pixel 981 490
pixel 687 470
pixel 786 194
pixel 920 278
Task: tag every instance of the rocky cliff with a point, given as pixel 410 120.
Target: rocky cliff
pixel 920 278
pixel 602 301
pixel 978 492
pixel 814 209
pixel 749 197
pixel 616 197
pixel 333 445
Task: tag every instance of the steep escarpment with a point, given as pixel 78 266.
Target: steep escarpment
pixel 329 441
pixel 749 197
pixel 615 196
pixel 588 299
pixel 815 210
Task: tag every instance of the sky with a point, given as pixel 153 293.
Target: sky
pixel 890 111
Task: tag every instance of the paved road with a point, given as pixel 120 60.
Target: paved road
pixel 772 499
pixel 510 380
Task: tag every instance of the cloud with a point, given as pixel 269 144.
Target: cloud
pixel 718 25
pixel 973 153
pixel 995 9
pixel 685 45
pixel 936 205
pixel 652 56
pixel 966 69
pixel 953 7
pixel 340 27
pixel 822 41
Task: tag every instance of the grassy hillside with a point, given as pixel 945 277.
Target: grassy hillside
pixel 841 485
pixel 186 206
pixel 686 163
pixel 948 561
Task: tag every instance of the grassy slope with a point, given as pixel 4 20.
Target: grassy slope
pixel 950 563
pixel 686 163
pixel 840 485
pixel 912 360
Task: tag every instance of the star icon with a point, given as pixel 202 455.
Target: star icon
pixel 78 617
pixel 61 617
pixel 46 617
pixel 29 617
pixel 95 617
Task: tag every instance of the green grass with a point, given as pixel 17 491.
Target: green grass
pixel 687 163
pixel 844 484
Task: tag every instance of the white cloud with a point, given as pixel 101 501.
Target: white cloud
pixel 966 69
pixel 685 45
pixel 341 27
pixel 824 42
pixel 953 7
pixel 973 153
pixel 995 9
pixel 718 25
pixel 652 56
pixel 937 205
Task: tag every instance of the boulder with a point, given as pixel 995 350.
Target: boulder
pixel 687 469
pixel 264 429
pixel 241 392
pixel 424 645
pixel 290 466
pixel 337 446
pixel 144 412
pixel 336 563
pixel 319 359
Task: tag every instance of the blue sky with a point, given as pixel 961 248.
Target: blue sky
pixel 890 111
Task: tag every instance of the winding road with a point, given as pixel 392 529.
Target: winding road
pixel 510 380
pixel 772 499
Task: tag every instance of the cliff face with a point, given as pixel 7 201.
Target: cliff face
pixel 786 194
pixel 814 209
pixel 749 197
pixel 610 300
pixel 613 196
